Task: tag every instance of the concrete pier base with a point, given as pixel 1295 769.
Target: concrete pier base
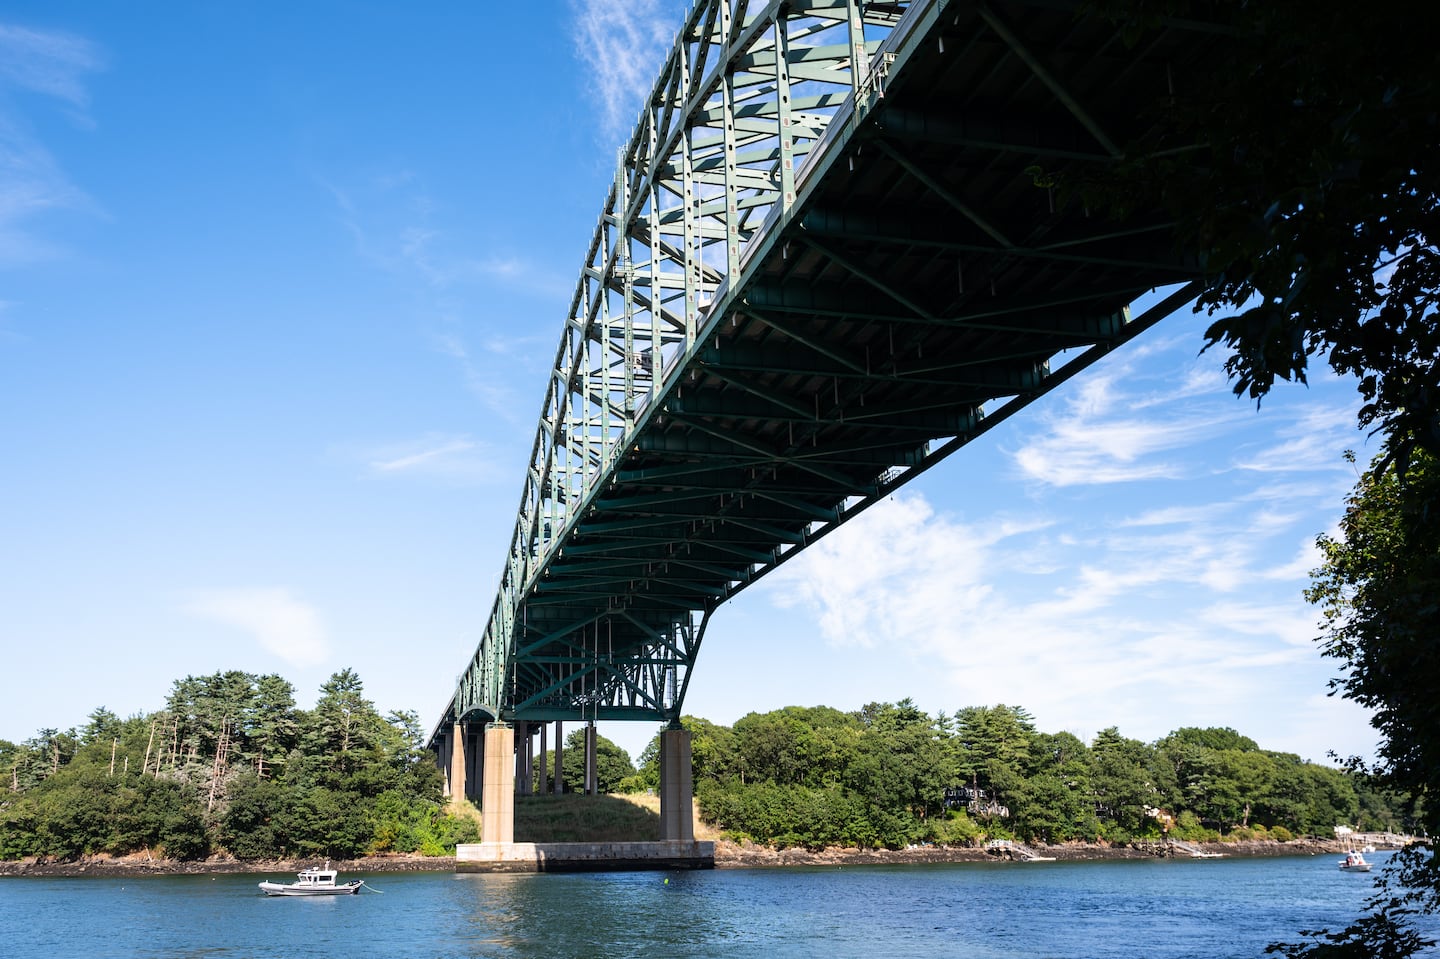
pixel 677 823
pixel 582 856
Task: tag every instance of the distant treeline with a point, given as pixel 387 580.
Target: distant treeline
pixel 230 764
pixel 880 777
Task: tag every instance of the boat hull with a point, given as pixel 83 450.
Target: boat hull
pixel 287 889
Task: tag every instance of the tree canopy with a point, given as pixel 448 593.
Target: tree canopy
pixel 1378 589
pixel 1300 167
pixel 230 764
pixel 890 775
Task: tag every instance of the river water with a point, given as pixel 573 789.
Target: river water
pixel 1096 910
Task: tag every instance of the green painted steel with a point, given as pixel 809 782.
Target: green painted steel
pixel 824 265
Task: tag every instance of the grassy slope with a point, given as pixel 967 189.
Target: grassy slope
pixel 573 818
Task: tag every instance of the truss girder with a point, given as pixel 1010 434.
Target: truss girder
pixel 825 263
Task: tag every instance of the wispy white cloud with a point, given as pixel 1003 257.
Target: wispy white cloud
pixel 53 65
pixel 1308 443
pixel 391 217
pixel 279 623
pixel 623 45
pixel 437 456
pixel 1138 619
pixel 479 373
pixel 423 459
pixel 1097 436
pixel 47 62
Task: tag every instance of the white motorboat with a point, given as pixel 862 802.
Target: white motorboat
pixel 1354 862
pixel 314 881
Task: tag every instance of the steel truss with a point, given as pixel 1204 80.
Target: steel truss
pixel 824 265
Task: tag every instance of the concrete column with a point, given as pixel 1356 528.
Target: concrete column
pixel 677 811
pixel 544 773
pixel 498 799
pixel 529 759
pixel 559 757
pixel 457 761
pixel 442 759
pixel 591 780
pixel 473 768
pixel 522 751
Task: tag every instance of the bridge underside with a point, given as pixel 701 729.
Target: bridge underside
pixel 923 285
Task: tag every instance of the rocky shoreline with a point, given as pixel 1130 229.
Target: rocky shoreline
pixel 728 855
pixel 141 865
pixel 731 855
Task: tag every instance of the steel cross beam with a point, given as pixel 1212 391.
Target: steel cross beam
pixel 824 264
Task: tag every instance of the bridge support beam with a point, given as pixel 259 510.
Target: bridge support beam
pixel 474 749
pixel 497 811
pixel 592 779
pixel 677 810
pixel 457 768
pixel 523 767
pixel 559 757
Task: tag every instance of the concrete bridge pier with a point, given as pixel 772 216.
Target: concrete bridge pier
pixel 497 803
pixel 474 749
pixel 677 787
pixel 455 763
pixel 498 852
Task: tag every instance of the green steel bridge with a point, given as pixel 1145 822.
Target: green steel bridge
pixel 826 263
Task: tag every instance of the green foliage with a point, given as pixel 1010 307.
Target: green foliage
pixel 799 776
pixel 877 778
pixel 1377 589
pixel 230 764
pixel 613 771
pixel 1300 168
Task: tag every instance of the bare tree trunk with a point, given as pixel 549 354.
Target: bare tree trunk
pixel 218 768
pixel 114 744
pixel 174 743
pixel 146 768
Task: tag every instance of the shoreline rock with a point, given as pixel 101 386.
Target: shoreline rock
pixel 141 865
pixel 728 855
pixel 747 855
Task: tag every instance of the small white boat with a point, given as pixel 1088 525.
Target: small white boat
pixel 313 882
pixel 1354 862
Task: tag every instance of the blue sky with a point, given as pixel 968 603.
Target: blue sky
pixel 279 287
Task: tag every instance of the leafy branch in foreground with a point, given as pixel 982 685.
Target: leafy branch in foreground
pixel 1378 589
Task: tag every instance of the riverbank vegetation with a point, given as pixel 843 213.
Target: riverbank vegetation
pixel 230 764
pixel 889 776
